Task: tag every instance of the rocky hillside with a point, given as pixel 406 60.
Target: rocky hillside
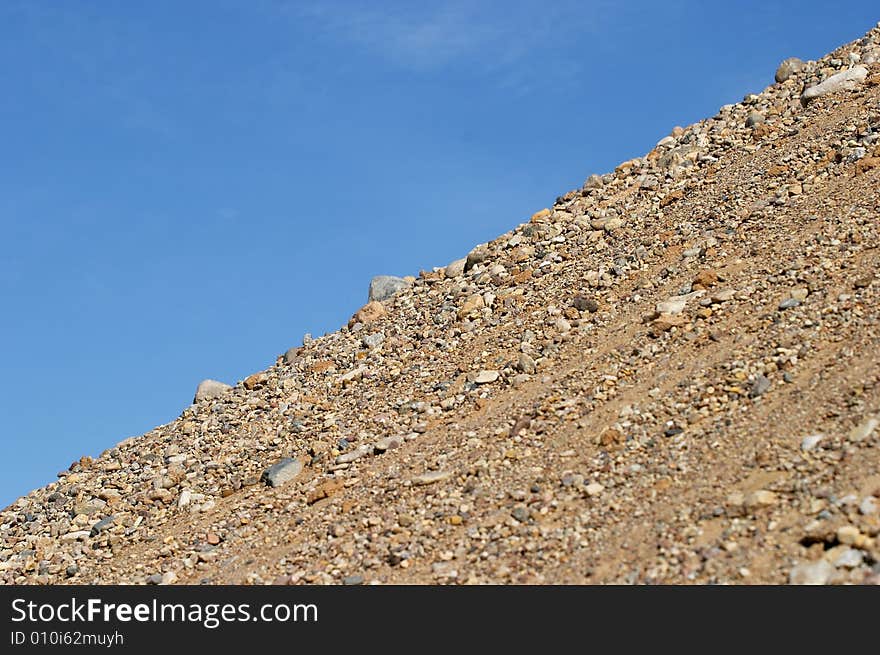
pixel 670 376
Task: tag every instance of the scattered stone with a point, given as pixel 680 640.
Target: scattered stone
pixel 210 389
pixel 811 573
pixel 789 303
pixel 291 356
pixel 367 314
pixel 760 386
pixel 282 472
pixel 383 287
pixel 666 322
pixel 324 490
pixel 540 216
pixel 845 80
pixel 594 489
pixel 754 118
pixel 673 306
pixel 585 304
pixel 431 477
pixel 476 256
pixel 353 580
pixel 671 197
pixel 808 443
pixel 521 513
pixel 869 506
pixel 471 304
pixel 526 364
pixel 387 443
pixel 256 380
pixel 705 279
pixel 522 423
pixel 722 295
pixel 102 525
pixel 848 534
pixel 760 498
pixel 354 455
pixel 456 268
pixel 787 68
pixel 800 294
pixel 848 558
pixel 373 340
pixel 864 429
pixel 486 377
pixel 863 166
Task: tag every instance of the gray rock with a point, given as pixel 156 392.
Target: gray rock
pixel 672 306
pixel 754 118
pixel 585 304
pixel 373 340
pixel 811 573
pixel 594 182
pixel 526 364
pixel 476 256
pixel 357 453
pixel 845 80
pixel 353 580
pixel 387 443
pixel 849 558
pixel 788 68
pixel 185 498
pixel 760 386
pixel 284 471
pixel 209 389
pixel 811 441
pixel 382 287
pixel 101 525
pixel 291 356
pixel 521 513
pixel 788 303
pixel 456 268
pixel 868 506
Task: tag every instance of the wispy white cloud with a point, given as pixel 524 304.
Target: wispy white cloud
pixel 488 37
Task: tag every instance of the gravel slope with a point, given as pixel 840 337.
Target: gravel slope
pixel 672 375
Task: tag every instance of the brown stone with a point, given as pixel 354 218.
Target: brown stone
pixel 705 279
pixel 255 380
pixel 866 164
pixel 370 312
pixel 472 303
pixel 540 216
pixel 323 490
pixel 671 197
pixel 665 323
pixel 611 438
pixel 323 366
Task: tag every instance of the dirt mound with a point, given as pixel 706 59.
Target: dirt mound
pixel 670 376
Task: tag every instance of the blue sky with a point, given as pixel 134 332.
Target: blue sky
pixel 189 187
